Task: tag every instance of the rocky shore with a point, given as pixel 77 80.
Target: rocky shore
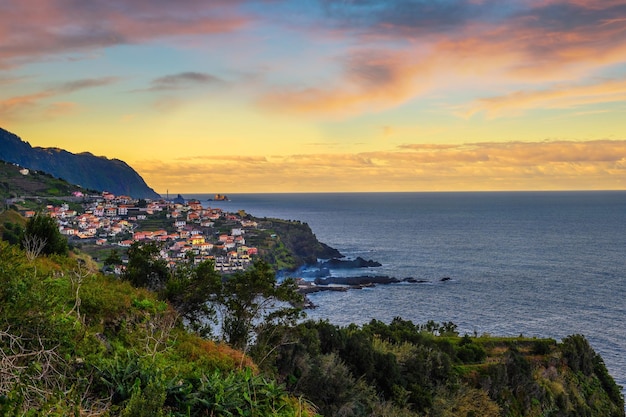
pixel 342 284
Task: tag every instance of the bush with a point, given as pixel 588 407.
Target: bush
pixel 44 230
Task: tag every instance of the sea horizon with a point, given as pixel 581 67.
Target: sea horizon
pixel 228 194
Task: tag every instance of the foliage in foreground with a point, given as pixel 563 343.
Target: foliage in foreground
pixel 73 342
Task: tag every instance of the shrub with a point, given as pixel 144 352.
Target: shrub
pixel 44 229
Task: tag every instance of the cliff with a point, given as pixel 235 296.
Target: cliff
pixel 290 244
pixel 84 169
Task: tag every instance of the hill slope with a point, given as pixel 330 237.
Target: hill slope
pixel 14 184
pixel 80 343
pixel 84 169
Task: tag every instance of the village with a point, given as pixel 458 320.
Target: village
pixel 184 229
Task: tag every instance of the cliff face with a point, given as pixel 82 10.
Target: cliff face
pixel 300 242
pixel 84 169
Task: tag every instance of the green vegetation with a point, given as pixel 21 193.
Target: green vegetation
pixel 37 235
pixel 12 226
pixel 289 244
pixel 416 370
pixel 186 341
pixel 74 342
pixel 245 303
pixel 156 221
pixel 41 235
pixel 36 183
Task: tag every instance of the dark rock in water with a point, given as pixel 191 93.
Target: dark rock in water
pixel 414 280
pixel 356 263
pixel 444 279
pixel 179 199
pixel 361 281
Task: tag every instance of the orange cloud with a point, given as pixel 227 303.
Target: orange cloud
pixel 556 97
pixel 27 105
pixel 599 164
pixel 372 80
pixel 12 107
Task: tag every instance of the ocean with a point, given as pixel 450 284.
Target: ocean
pixel 544 264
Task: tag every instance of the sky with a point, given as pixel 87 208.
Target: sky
pixel 240 96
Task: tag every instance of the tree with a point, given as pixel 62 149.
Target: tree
pixel 146 267
pixel 192 292
pixel 42 230
pixel 251 301
pixel 13 233
pixel 113 258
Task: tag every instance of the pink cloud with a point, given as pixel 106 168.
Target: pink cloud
pixel 544 43
pixel 32 31
pixel 18 106
pixel 372 80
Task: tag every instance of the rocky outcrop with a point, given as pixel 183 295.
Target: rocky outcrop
pixel 349 264
pixel 360 280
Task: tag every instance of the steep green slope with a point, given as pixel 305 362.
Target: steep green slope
pixel 289 244
pixel 35 183
pixel 74 342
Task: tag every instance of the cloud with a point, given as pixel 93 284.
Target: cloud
pixel 183 80
pixel 404 50
pixel 372 80
pixel 32 32
pixel 408 17
pixel 557 97
pixel 76 85
pixel 598 164
pixel 12 107
pixel 60 109
pixel 384 53
pixel 28 104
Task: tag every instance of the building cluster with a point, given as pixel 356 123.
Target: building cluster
pixel 189 228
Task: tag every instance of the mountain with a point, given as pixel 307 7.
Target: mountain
pixel 84 169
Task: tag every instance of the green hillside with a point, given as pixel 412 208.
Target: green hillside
pixel 15 184
pixel 75 342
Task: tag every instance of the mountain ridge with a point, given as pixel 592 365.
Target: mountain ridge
pixel 83 169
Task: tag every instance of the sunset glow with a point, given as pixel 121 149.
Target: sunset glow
pixel 325 95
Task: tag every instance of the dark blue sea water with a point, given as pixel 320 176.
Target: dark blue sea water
pixel 545 264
